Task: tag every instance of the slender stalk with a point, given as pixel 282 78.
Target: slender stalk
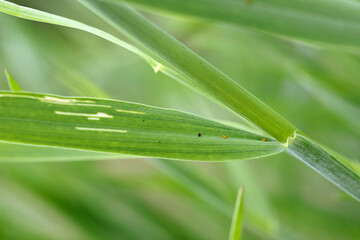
pixel 167 50
pixel 326 164
pixel 236 223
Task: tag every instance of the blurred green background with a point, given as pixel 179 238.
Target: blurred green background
pixel 315 89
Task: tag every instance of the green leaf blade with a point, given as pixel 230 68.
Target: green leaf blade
pixel 125 128
pixel 14 86
pixel 236 223
pixel 326 164
pixel 206 77
pixel 202 75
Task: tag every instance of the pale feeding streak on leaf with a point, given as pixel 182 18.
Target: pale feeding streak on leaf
pixel 125 128
pixel 10 152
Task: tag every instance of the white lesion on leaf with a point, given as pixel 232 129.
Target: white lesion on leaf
pixel 64 100
pixel 129 111
pixel 101 129
pixel 89 105
pixel 96 116
pixel 73 102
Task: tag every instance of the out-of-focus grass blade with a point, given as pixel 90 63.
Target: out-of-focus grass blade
pixel 27 213
pixel 236 223
pixel 343 110
pixel 123 127
pixel 323 162
pixel 10 152
pixel 78 84
pixel 14 86
pixel 260 213
pixel 322 21
pixel 40 16
pixel 197 182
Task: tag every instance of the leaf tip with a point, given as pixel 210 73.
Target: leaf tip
pixel 237 219
pixel 13 85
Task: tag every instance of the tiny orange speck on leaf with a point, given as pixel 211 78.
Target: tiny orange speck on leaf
pixel 263 139
pixel 224 136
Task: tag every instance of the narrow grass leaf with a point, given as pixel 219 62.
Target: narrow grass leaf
pixel 14 86
pixel 40 16
pixel 197 182
pixel 260 212
pixel 123 127
pixel 340 108
pixel 323 21
pixel 10 152
pixel 327 165
pixel 201 74
pixel 214 83
pixel 236 223
pixel 174 58
pixel 77 84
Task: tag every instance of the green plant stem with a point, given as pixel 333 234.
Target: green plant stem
pixel 213 82
pixel 169 51
pixel 327 165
